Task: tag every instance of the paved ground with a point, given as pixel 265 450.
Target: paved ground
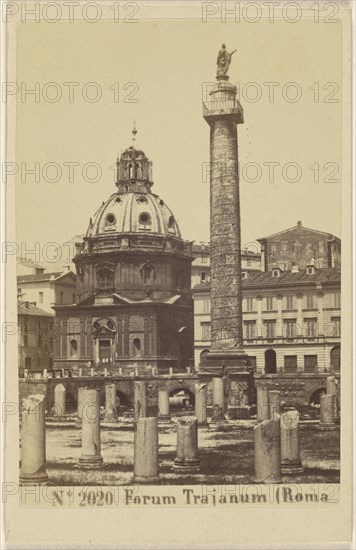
pixel 226 455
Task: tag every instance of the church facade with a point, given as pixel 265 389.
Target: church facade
pixel 133 310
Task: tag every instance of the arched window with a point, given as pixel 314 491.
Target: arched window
pixel 136 336
pixel 105 278
pixel 147 273
pixel 270 362
pixel 136 347
pixel 171 224
pixel 73 345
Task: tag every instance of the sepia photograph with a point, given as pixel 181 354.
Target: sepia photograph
pixel 177 260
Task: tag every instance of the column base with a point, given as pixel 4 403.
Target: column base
pixel 327 427
pixel 90 461
pixel 292 468
pixel 40 478
pixel 146 480
pixel 186 464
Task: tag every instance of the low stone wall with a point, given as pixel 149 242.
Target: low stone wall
pixel 296 390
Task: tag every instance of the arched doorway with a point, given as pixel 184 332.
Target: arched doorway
pixel 335 359
pixel 314 402
pixel 270 362
pixel 181 401
pixel 121 401
pixel 203 355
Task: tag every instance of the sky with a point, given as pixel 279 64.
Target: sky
pixel 167 66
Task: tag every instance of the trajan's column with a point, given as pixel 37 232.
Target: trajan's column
pixel 226 359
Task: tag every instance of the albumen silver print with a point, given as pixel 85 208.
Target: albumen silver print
pixel 177 259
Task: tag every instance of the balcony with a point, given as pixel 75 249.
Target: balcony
pixel 219 107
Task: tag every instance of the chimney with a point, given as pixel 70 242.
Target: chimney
pixel 299 225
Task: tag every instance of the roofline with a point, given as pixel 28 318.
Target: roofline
pixel 296 227
pixel 278 284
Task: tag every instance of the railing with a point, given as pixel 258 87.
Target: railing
pixel 220 107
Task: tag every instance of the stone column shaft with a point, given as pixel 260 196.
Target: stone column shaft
pixel 290 450
pixel 274 402
pixel 187 443
pixel 140 399
pixel 33 440
pixel 218 398
pixel 59 400
pixel 91 456
pixel 327 412
pixel 263 412
pixel 267 451
pixel 163 404
pixel 201 404
pixel 110 403
pixel 331 389
pixel 146 450
pixel 225 259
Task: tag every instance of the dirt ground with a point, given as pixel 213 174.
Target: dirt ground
pixel 226 455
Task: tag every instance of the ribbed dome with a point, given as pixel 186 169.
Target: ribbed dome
pixel 133 212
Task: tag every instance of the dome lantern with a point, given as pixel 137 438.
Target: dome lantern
pixel 134 169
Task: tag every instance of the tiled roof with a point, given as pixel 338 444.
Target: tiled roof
pixel 25 308
pixel 41 277
pixel 264 279
pixel 301 228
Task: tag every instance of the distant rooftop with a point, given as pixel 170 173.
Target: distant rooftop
pixel 300 227
pixel 26 308
pixel 42 276
pixel 263 279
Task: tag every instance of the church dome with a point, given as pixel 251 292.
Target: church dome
pixel 133 212
pixel 133 208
